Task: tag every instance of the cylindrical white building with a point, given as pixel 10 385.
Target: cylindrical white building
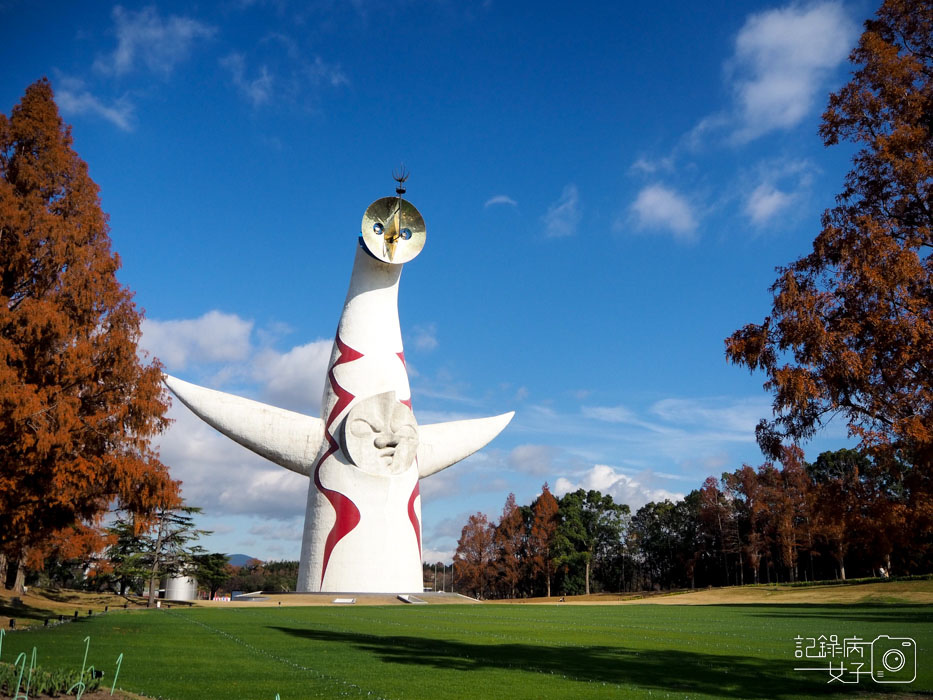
pixel 180 587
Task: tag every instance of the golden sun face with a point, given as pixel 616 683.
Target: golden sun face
pixel 393 230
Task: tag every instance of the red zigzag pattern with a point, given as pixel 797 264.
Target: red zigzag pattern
pixel 348 515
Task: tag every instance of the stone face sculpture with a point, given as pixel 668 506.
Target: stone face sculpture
pixel 366 454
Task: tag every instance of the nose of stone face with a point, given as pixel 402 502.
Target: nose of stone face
pixel 386 440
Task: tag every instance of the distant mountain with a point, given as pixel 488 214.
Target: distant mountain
pixel 241 559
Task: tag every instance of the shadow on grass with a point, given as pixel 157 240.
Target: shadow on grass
pixel 666 669
pixel 844 612
pixel 25 612
pixel 28 616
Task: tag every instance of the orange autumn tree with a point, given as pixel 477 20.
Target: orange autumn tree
pixel 77 405
pixel 542 550
pixel 851 329
pixel 475 556
pixel 509 543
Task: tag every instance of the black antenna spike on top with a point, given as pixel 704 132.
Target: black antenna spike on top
pixel 400 176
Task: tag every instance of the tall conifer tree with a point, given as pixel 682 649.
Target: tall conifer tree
pixel 851 330
pixel 77 405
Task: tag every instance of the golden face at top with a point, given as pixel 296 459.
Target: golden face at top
pixel 393 230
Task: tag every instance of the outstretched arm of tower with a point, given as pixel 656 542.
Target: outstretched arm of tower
pixel 289 439
pixel 443 444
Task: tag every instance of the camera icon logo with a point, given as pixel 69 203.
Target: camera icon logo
pixel 893 659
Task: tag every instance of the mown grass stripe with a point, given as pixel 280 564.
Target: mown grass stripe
pixel 260 651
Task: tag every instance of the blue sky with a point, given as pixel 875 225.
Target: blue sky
pixel 607 190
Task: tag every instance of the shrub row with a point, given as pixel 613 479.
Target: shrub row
pixel 54 683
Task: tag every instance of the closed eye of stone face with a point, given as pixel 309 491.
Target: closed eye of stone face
pixel 362 428
pixel 406 432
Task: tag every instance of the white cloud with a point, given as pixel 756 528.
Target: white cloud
pixel 285 72
pixel 73 98
pixel 432 556
pixel 294 379
pixel 650 167
pixel 659 207
pixel 290 531
pixel 609 414
pixel 782 60
pixel 671 435
pixel 533 459
pixel 782 183
pixel 635 492
pixel 725 415
pixel 425 337
pixel 214 337
pixel 145 37
pixel 319 71
pixel 705 128
pixel 500 199
pixel 563 217
pixel 224 478
pixel 444 484
pixel 765 202
pixel 451 527
pixel 258 89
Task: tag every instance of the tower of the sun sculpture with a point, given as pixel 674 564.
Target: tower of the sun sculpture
pixel 366 454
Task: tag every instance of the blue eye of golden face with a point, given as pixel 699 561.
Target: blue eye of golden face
pixel 377 228
pixel 406 233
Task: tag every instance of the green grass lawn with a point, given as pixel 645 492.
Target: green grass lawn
pixel 478 651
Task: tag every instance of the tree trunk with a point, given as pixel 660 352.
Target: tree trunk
pixel 3 570
pixel 154 572
pixel 587 576
pixel 19 585
pixel 722 548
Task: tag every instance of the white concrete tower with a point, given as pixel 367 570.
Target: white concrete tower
pixel 366 454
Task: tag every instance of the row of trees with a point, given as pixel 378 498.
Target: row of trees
pixel 137 553
pixel 844 513
pixel 131 555
pixel 273 576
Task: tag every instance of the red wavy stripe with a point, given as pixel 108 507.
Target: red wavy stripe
pixel 413 517
pixel 348 515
